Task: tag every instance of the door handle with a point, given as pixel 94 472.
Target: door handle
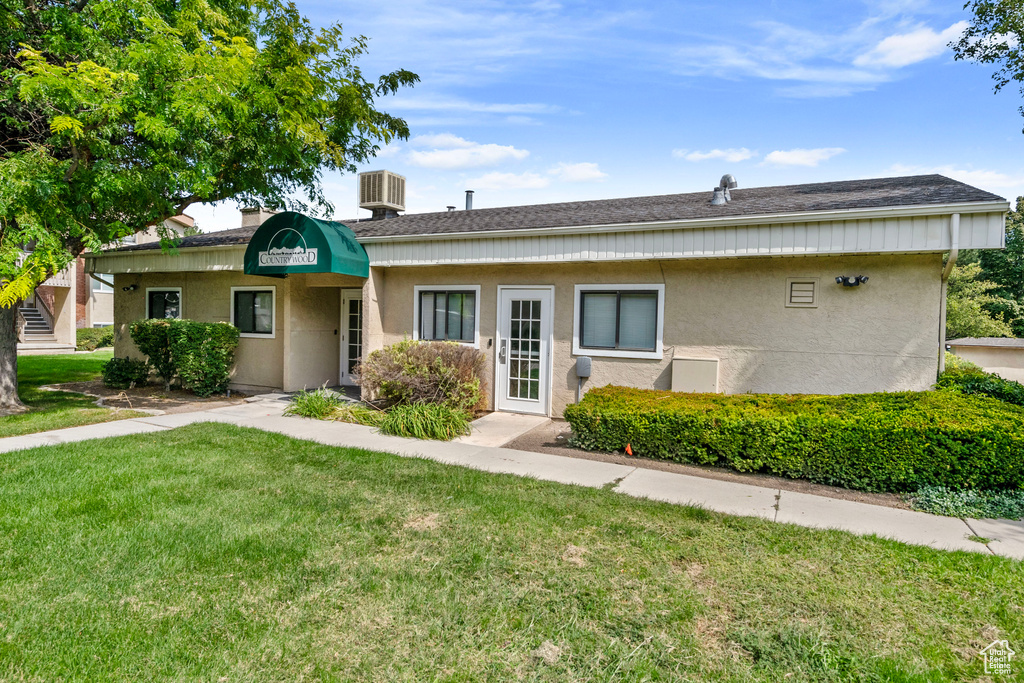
pixel 501 351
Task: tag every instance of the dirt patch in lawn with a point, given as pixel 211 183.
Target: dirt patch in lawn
pixel 147 398
pixel 553 438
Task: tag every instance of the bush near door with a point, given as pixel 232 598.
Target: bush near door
pixel 201 355
pixel 411 371
pixel 897 442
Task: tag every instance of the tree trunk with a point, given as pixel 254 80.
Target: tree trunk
pixel 9 401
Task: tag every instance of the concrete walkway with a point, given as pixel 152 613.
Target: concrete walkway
pixel 1000 537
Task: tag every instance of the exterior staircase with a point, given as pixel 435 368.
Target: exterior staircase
pixel 37 327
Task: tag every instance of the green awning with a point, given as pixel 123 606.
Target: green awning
pixel 290 242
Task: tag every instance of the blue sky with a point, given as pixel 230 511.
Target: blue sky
pixel 556 101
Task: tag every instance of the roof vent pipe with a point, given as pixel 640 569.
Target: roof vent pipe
pixel 728 182
pixel 469 200
pixel 718 197
pixel 450 208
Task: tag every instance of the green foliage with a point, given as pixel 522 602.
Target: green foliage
pixel 424 421
pixel 940 500
pixel 995 36
pixel 964 377
pixel 358 413
pixel 152 338
pixel 319 403
pixel 92 338
pixel 967 297
pixel 203 354
pixel 125 373
pixel 116 115
pixel 411 372
pixel 875 442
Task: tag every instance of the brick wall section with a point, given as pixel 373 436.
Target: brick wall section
pixel 82 291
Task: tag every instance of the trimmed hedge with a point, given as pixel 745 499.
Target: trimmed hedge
pixel 874 442
pixel 967 378
pixel 203 354
pixel 92 338
pixel 151 338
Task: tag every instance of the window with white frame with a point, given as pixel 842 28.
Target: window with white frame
pixel 619 320
pixel 163 302
pixel 252 311
pixel 447 313
pixel 100 287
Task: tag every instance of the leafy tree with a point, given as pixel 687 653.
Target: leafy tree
pixel 1005 267
pixel 966 298
pixel 995 36
pixel 117 114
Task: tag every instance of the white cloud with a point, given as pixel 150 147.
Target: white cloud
pixel 577 173
pixel 903 49
pixel 508 181
pixel 450 152
pixel 731 154
pixel 802 157
pixel 441 141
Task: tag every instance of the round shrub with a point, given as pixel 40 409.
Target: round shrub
pixel 203 355
pixel 125 373
pixel 410 372
pixel 151 336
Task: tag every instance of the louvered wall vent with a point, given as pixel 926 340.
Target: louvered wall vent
pixel 802 292
pixel 381 190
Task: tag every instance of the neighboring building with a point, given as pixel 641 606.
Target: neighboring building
pixel 1001 355
pixel 72 299
pixel 822 288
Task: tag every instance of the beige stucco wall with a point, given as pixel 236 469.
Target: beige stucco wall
pixel 1007 363
pixel 100 308
pixel 304 352
pixel 882 336
pixel 259 363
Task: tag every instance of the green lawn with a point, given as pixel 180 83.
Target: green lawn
pixel 58 409
pixel 214 552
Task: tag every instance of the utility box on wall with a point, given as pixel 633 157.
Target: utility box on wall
pixel 696 375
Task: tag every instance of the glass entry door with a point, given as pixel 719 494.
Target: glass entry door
pixel 351 334
pixel 524 349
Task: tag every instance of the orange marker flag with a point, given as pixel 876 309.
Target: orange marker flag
pixel 629 449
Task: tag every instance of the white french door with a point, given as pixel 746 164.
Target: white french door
pixel 351 334
pixel 523 364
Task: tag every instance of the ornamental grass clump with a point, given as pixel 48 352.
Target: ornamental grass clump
pixel 424 421
pixel 414 372
pixel 895 442
pixel 319 404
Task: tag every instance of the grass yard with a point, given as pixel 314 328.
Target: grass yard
pixel 58 409
pixel 214 552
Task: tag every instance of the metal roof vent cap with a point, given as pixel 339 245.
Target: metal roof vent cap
pixel 728 182
pixel 718 197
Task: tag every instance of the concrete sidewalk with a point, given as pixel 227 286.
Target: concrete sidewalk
pixel 1000 537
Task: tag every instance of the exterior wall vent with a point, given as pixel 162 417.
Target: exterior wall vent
pixel 802 292
pixel 381 190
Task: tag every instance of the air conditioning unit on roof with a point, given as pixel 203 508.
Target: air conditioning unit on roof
pixel 381 190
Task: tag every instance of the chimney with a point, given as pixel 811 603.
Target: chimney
pixel 253 216
pixel 469 200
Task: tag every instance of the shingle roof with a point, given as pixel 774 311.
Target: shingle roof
pixel 1002 342
pixel 834 196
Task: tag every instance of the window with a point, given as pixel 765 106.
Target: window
pixel 619 320
pixel 252 311
pixel 163 303
pixel 445 313
pixel 98 286
pixel 801 292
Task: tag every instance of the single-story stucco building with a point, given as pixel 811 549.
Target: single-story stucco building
pixel 821 288
pixel 1001 355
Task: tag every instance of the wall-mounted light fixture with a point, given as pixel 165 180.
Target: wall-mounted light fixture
pixel 129 288
pixel 851 280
